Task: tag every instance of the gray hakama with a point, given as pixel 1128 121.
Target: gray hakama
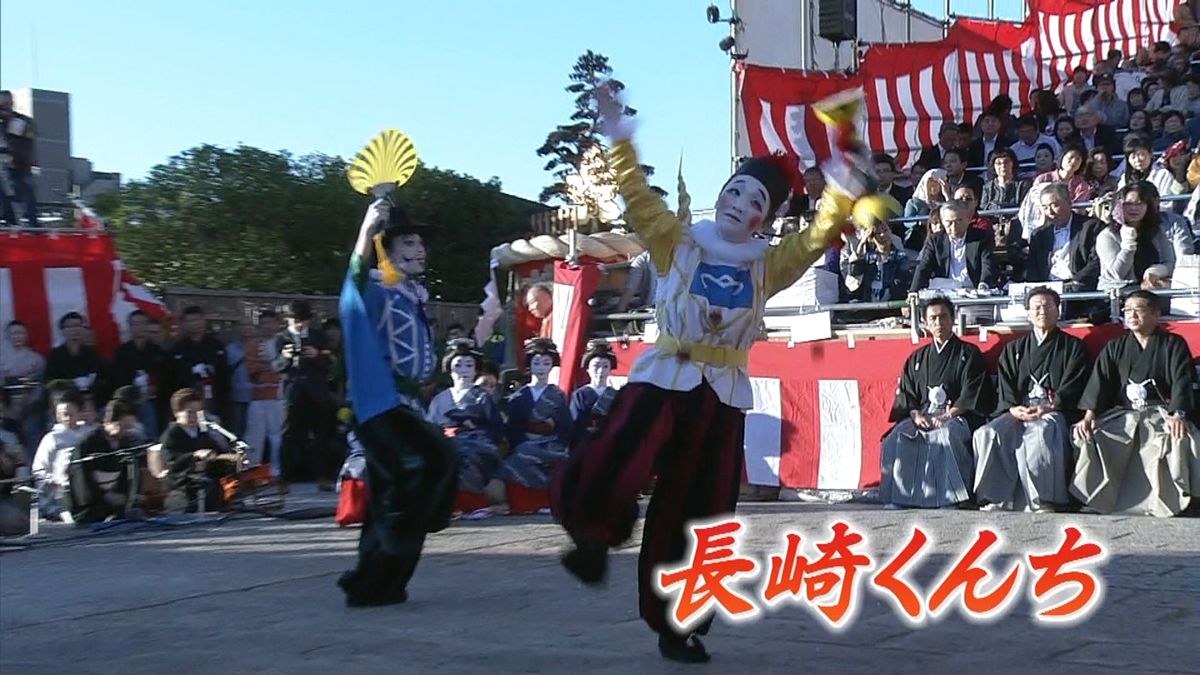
pixel 1131 465
pixel 935 468
pixel 928 469
pixel 1022 465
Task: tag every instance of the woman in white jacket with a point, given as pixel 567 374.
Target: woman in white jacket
pixel 1141 246
pixel 1140 165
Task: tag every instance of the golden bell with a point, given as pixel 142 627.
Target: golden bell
pixel 877 207
pixel 840 108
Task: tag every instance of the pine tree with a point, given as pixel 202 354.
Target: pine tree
pixel 577 150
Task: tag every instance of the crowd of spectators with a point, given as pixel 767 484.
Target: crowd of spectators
pixel 998 199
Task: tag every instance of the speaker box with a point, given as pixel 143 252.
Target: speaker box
pixel 838 20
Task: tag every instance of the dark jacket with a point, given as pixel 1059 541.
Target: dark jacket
pixel 1085 266
pixel 935 259
pixel 968 179
pixel 178 447
pixel 931 156
pixel 201 365
pixel 900 193
pixel 87 366
pixel 19 134
pixel 1105 138
pixel 997 196
pixel 129 360
pixel 304 377
pixel 975 152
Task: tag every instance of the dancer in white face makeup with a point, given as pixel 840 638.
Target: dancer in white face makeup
pixel 411 467
pixel 681 414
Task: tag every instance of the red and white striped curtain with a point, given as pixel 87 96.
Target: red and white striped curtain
pixel 573 288
pixel 44 276
pixel 911 89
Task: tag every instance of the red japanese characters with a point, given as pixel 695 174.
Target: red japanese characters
pixel 1064 585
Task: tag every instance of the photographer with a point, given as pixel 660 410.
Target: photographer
pixel 876 267
pixel 16 163
pixel 304 360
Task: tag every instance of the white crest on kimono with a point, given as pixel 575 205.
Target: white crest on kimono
pixel 1136 393
pixel 1038 392
pixel 938 399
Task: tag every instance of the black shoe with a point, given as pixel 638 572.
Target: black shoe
pixel 588 564
pixel 356 597
pixel 682 649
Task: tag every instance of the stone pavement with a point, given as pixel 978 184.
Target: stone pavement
pixel 258 594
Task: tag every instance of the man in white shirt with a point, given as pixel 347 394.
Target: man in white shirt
pixel 53 456
pixel 1029 137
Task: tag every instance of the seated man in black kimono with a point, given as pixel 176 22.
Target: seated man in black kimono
pixel 1136 451
pixel 944 395
pixel 99 478
pixel 196 458
pixel 1022 456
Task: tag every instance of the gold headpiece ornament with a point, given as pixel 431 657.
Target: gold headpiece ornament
pixel 684 213
pixel 383 165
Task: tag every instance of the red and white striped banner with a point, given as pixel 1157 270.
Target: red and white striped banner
pixel 911 89
pixel 1072 33
pixel 571 320
pixel 817 423
pixel 44 276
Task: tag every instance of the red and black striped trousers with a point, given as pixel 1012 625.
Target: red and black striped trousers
pixel 690 440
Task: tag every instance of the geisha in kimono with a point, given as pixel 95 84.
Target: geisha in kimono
pixel 468 415
pixel 591 402
pixel 539 422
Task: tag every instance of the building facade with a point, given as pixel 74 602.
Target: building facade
pixel 59 176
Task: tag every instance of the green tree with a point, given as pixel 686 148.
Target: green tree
pixel 249 219
pixel 571 145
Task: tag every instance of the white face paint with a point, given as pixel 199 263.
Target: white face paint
pixel 540 366
pixel 407 254
pixel 598 370
pixel 741 209
pixel 462 371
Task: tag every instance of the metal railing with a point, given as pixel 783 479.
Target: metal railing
pixel 1013 211
pixel 1028 164
pixel 913 303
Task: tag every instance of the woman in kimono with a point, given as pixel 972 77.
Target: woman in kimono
pixel 591 402
pixel 469 416
pixel 539 422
